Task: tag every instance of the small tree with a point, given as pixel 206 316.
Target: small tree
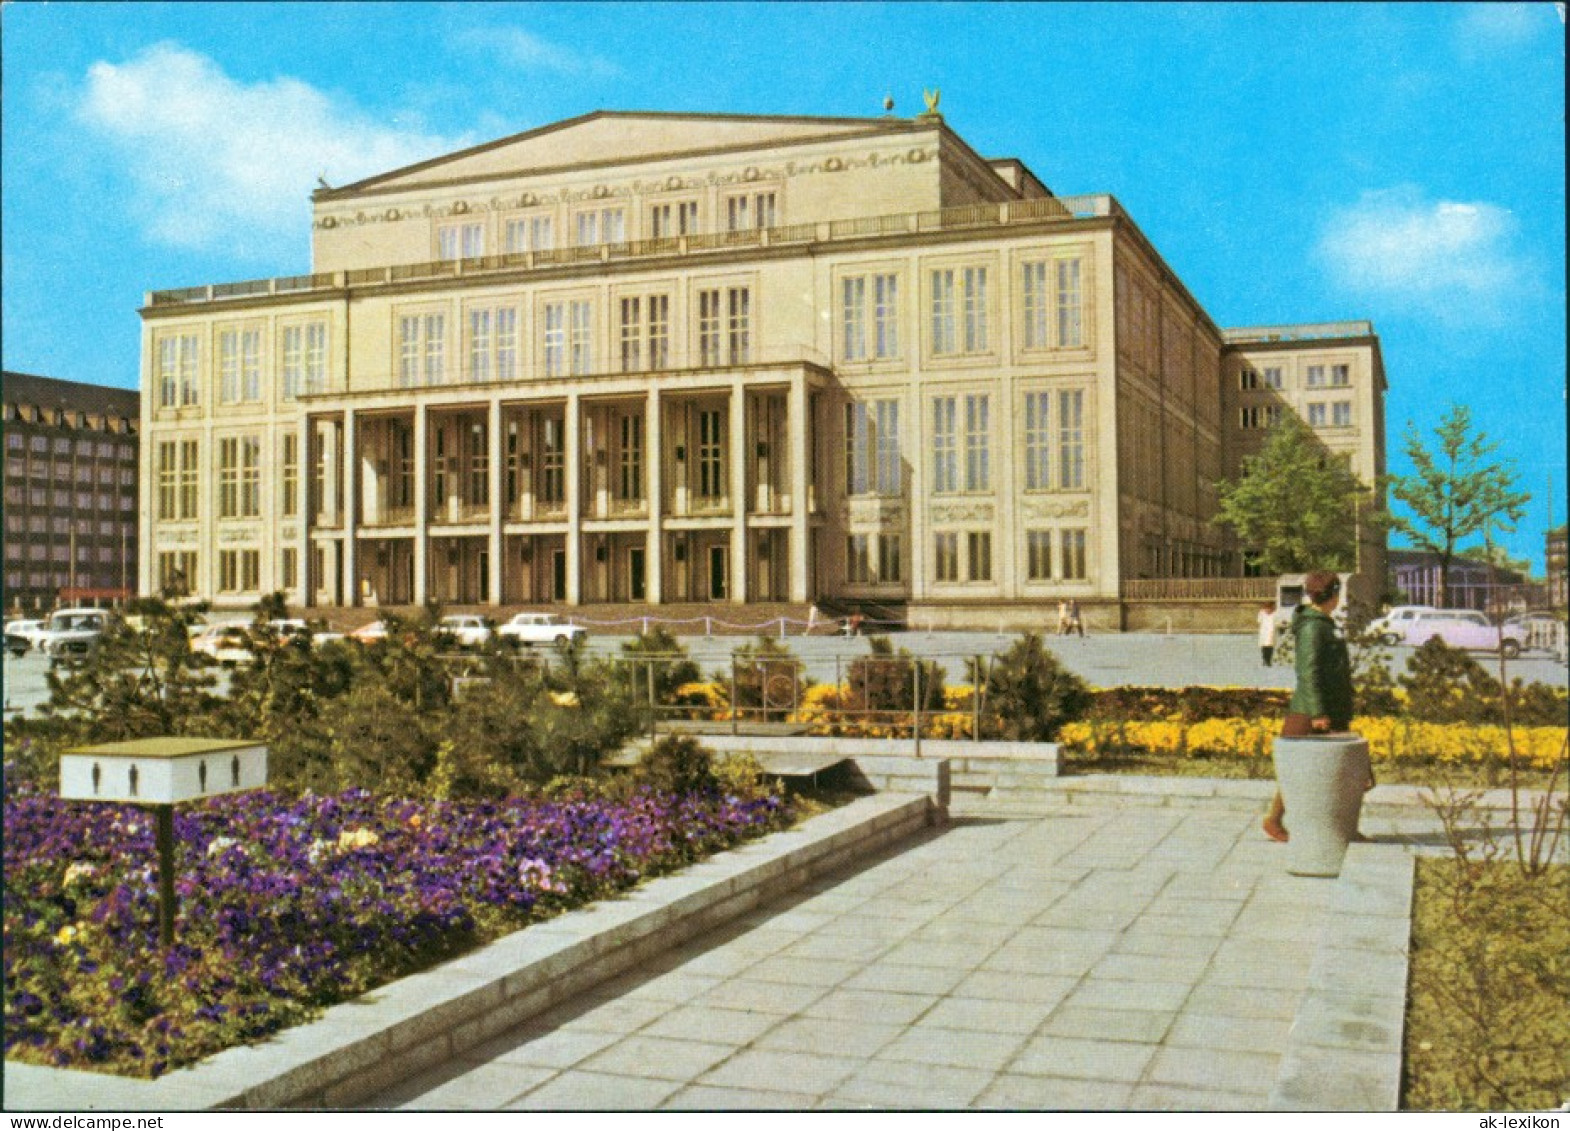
pixel 1455 492
pixel 885 680
pixel 1029 694
pixel 672 666
pixel 1295 505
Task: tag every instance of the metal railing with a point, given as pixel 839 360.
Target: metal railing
pixel 1200 589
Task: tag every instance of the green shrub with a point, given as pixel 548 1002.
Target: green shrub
pixel 885 680
pixel 672 666
pixel 678 763
pixel 1029 694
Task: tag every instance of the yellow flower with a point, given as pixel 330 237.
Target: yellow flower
pixel 564 698
pixel 357 838
pixel 66 934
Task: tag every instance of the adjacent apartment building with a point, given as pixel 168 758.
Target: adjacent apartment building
pixel 655 358
pixel 71 528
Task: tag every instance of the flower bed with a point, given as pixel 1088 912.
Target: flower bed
pixel 288 905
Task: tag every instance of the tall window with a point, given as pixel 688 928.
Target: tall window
pixel 1038 440
pixel 229 477
pixel 645 333
pixel 725 326
pixel 739 324
pixel 1070 304
pixel 580 340
pixel 959 310
pixel 708 327
pixel 1053 304
pixel 553 461
pixel 190 478
pixel 422 340
pixel 1314 376
pixel 493 344
pixel 460 241
pixel 288 567
pixel 1071 440
pixel 631 335
pixel 1340 375
pixel 555 339
pixel 945 445
pixel 304 359
pixel 872 448
pixel 290 476
pixel 629 457
pixel 978 466
pixel 1316 414
pixel 711 454
pixel 239 366
pixel 168 470
pixel 1073 557
pixel 945 557
pixel 1038 555
pixel 479 463
pixel 1247 378
pixel 1272 376
pixel 673 218
pixel 869 317
pixel 979 545
pixel 178 359
pixel 1341 414
pixel 858 560
pixel 890 559
pixel 604 225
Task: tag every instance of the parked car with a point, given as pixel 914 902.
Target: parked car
pixel 1391 628
pixel 370 633
pixel 226 644
pixel 1463 628
pixel 540 628
pixel 1542 632
pixel 463 630
pixel 22 635
pixel 72 632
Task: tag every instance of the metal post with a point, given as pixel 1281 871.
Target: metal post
pixel 164 824
pixel 975 704
pixel 653 717
pixel 916 712
pixel 735 702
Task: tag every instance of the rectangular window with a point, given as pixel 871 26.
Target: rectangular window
pixel 178 360
pixel 869 331
pixel 945 446
pixel 945 557
pixel 304 359
pixel 250 570
pixel 228 571
pixel 229 477
pixel 630 458
pixel 944 339
pixel 1247 378
pixel 669 219
pixel 632 334
pixel 1070 304
pixel 739 325
pixel 885 316
pixel 1038 438
pixel 240 366
pixel 1315 378
pixel 1341 414
pixel 708 328
pixel 1036 299
pixel 460 241
pixel 290 475
pixel 854 318
pixel 606 225
pixel 580 341
pixel 711 454
pixel 1340 375
pixel 1073 558
pixel 1273 377
pixel 756 210
pixel 493 344
pixel 555 339
pixel 289 567
pixel 553 461
pixel 1316 414
pixel 479 461
pixel 975 309
pixel 1071 440
pixel 872 448
pixel 978 464
pixel 659 331
pixel 168 470
pixel 1038 555
pixel 190 478
pixel 891 568
pixel 858 560
pixel 530 233
pixel 980 555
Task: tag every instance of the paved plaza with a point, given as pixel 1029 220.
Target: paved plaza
pixel 1100 955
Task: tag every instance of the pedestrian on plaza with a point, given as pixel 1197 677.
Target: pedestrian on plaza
pixel 1322 701
pixel 1074 623
pixel 1267 633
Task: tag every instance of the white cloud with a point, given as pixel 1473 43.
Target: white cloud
pixel 218 164
pixel 1483 27
pixel 527 51
pixel 1447 257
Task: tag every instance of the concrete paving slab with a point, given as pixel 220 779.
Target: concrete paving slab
pixel 857 1040
pixel 485 1087
pixel 1121 1061
pixel 781 1070
pixel 928 1044
pixel 707 1098
pixel 989 1015
pixel 999 985
pixel 663 1058
pixel 1220 1069
pixel 593 1091
pixel 543 1047
pixel 1079 1023
pixel 885 1084
pixel 860 1005
pixel 1158 997
pixel 1011 1092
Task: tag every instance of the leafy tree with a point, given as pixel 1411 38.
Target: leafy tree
pixel 885 680
pixel 1028 694
pixel 1455 492
pixel 1294 504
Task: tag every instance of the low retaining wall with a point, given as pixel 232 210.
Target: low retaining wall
pixel 364 1046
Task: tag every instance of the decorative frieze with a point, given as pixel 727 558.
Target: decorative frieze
pixel 1045 509
pixel 963 512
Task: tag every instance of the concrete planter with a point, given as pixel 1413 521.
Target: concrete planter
pixel 1322 781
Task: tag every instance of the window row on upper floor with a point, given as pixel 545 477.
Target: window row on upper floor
pixel 630 330
pixel 63 447
pixel 599 222
pixel 1317 414
pixel 1314 375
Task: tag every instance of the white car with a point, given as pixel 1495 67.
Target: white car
pixel 1392 627
pixel 540 628
pixel 464 631
pixel 72 632
pixel 226 644
pixel 21 635
pixel 1465 628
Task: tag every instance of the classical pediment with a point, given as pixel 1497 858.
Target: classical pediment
pixel 606 137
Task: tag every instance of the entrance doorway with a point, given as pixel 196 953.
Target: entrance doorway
pixel 636 559
pixel 719 572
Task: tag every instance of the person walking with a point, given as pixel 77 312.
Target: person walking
pixel 1322 700
pixel 1074 623
pixel 1063 617
pixel 1267 633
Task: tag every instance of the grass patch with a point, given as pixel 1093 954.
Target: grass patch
pixel 1488 1008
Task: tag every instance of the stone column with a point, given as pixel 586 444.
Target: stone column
pixel 572 428
pixel 422 502
pixel 654 487
pixel 738 493
pixel 351 468
pixel 797 430
pixel 498 511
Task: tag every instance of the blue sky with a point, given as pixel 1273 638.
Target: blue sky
pixel 1401 163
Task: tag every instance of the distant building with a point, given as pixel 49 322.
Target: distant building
pixel 643 358
pixel 1473 584
pixel 71 461
pixel 1557 557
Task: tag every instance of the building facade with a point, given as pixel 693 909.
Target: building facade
pixel 71 517
pixel 657 358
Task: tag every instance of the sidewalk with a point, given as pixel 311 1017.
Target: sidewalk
pixel 1093 956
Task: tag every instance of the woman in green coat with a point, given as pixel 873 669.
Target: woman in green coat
pixel 1322 701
